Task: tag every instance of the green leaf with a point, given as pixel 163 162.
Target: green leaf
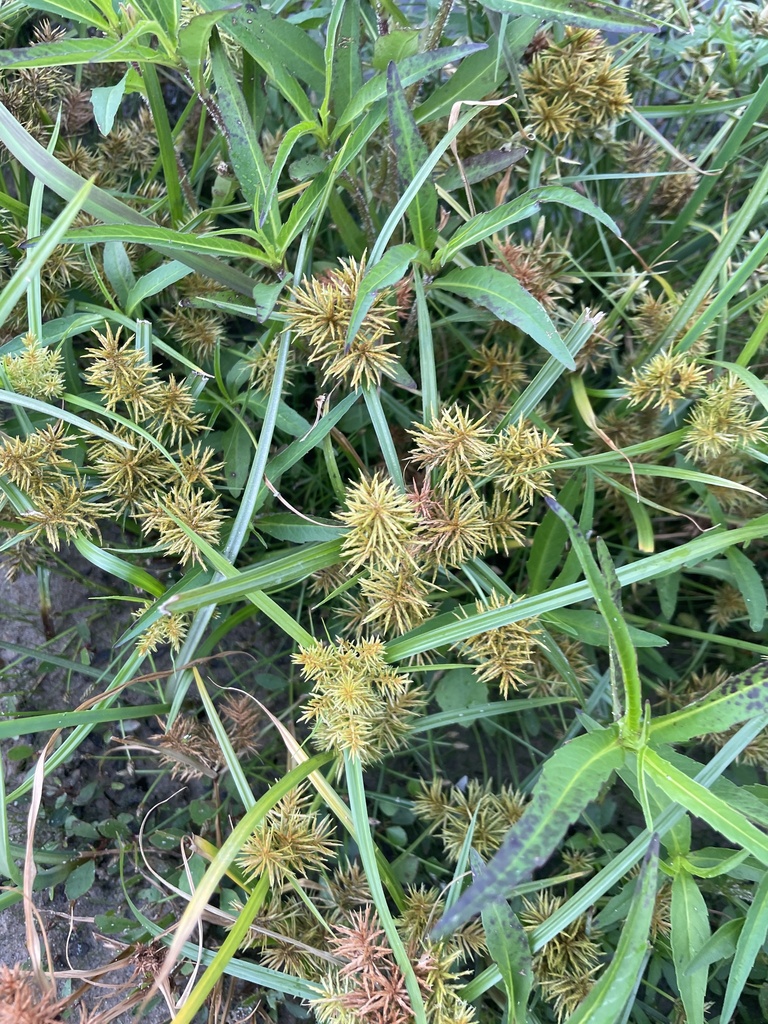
pixel 550 539
pixel 750 585
pixel 586 13
pixel 100 204
pixel 570 780
pixel 411 153
pixel 244 147
pixel 115 566
pixel 478 168
pixel 155 281
pixel 81 880
pixel 181 241
pixel 193 44
pixel 106 100
pixel 749 945
pixel 395 46
pixel 43 247
pixel 715 812
pixel 74 10
pixel 274 42
pixel 739 698
pixel 615 988
pixel 460 689
pixel 591 628
pixel 690 930
pixel 290 527
pixel 478 75
pixel 721 945
pixel 237 452
pixel 388 271
pixel 510 950
pixel 410 70
pixel 482 225
pixel 347 72
pixel 118 269
pixel 506 298
pixel 73 51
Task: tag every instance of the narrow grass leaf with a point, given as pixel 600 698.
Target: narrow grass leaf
pixel 193 41
pixel 615 988
pixel 750 585
pixel 346 66
pixel 222 738
pixel 55 413
pixel 570 779
pixel 73 51
pixel 721 945
pixel 739 698
pixel 690 930
pixel 748 946
pixel 29 724
pixel 122 570
pixel 725 819
pixel 506 298
pixel 476 77
pixel 389 270
pixel 604 16
pixel 411 153
pixel 477 712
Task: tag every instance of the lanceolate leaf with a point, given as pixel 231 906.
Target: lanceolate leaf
pixel 79 51
pixel 699 801
pixel 605 16
pixel 388 271
pixel 750 943
pixel 741 697
pixel 617 984
pixel 347 75
pixel 572 777
pixel 505 297
pixel 411 153
pixel 690 930
pixel 484 225
pixel 510 950
pixel 193 44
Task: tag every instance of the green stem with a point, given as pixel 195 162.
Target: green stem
pixel 359 811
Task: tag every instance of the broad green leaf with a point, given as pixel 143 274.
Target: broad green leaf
pixel 411 154
pixel 510 950
pixel 290 527
pixel 164 12
pixel 181 241
pixel 586 13
pixel 476 77
pixel 719 815
pixel 100 204
pixel 460 689
pixel 750 585
pixel 193 45
pixel 347 72
pixel 483 225
pixel 75 10
pixel 388 271
pixel 668 587
pixel 690 930
pixel 115 566
pixel 721 945
pixel 81 880
pixel 570 780
pixel 244 146
pixel 410 70
pixel 73 51
pixel 237 450
pixel 739 698
pixel 615 988
pixel 506 298
pixel 157 280
pixel 749 945
pixel 106 100
pixel 394 47
pixel 273 41
pixel 118 270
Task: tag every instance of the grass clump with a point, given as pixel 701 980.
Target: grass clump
pixel 396 376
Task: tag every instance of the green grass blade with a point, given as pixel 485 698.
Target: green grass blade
pixel 29 724
pixel 749 945
pixel 606 17
pixel 133 574
pixel 690 930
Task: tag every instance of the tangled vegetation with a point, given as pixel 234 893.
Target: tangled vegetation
pixel 427 344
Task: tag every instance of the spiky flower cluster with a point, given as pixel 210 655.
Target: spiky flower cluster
pixel 291 841
pixel 722 420
pixel 665 380
pixel 451 811
pixel 540 265
pixel 565 967
pixel 574 87
pixel 359 704
pixel 504 654
pixel 36 371
pixel 320 314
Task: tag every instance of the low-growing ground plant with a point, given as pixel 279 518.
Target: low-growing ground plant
pixel 398 374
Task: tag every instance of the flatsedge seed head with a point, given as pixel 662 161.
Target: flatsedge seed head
pixel 453 443
pixel 201 516
pixel 504 654
pixel 382 525
pixel 37 371
pixel 521 458
pixel 665 380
